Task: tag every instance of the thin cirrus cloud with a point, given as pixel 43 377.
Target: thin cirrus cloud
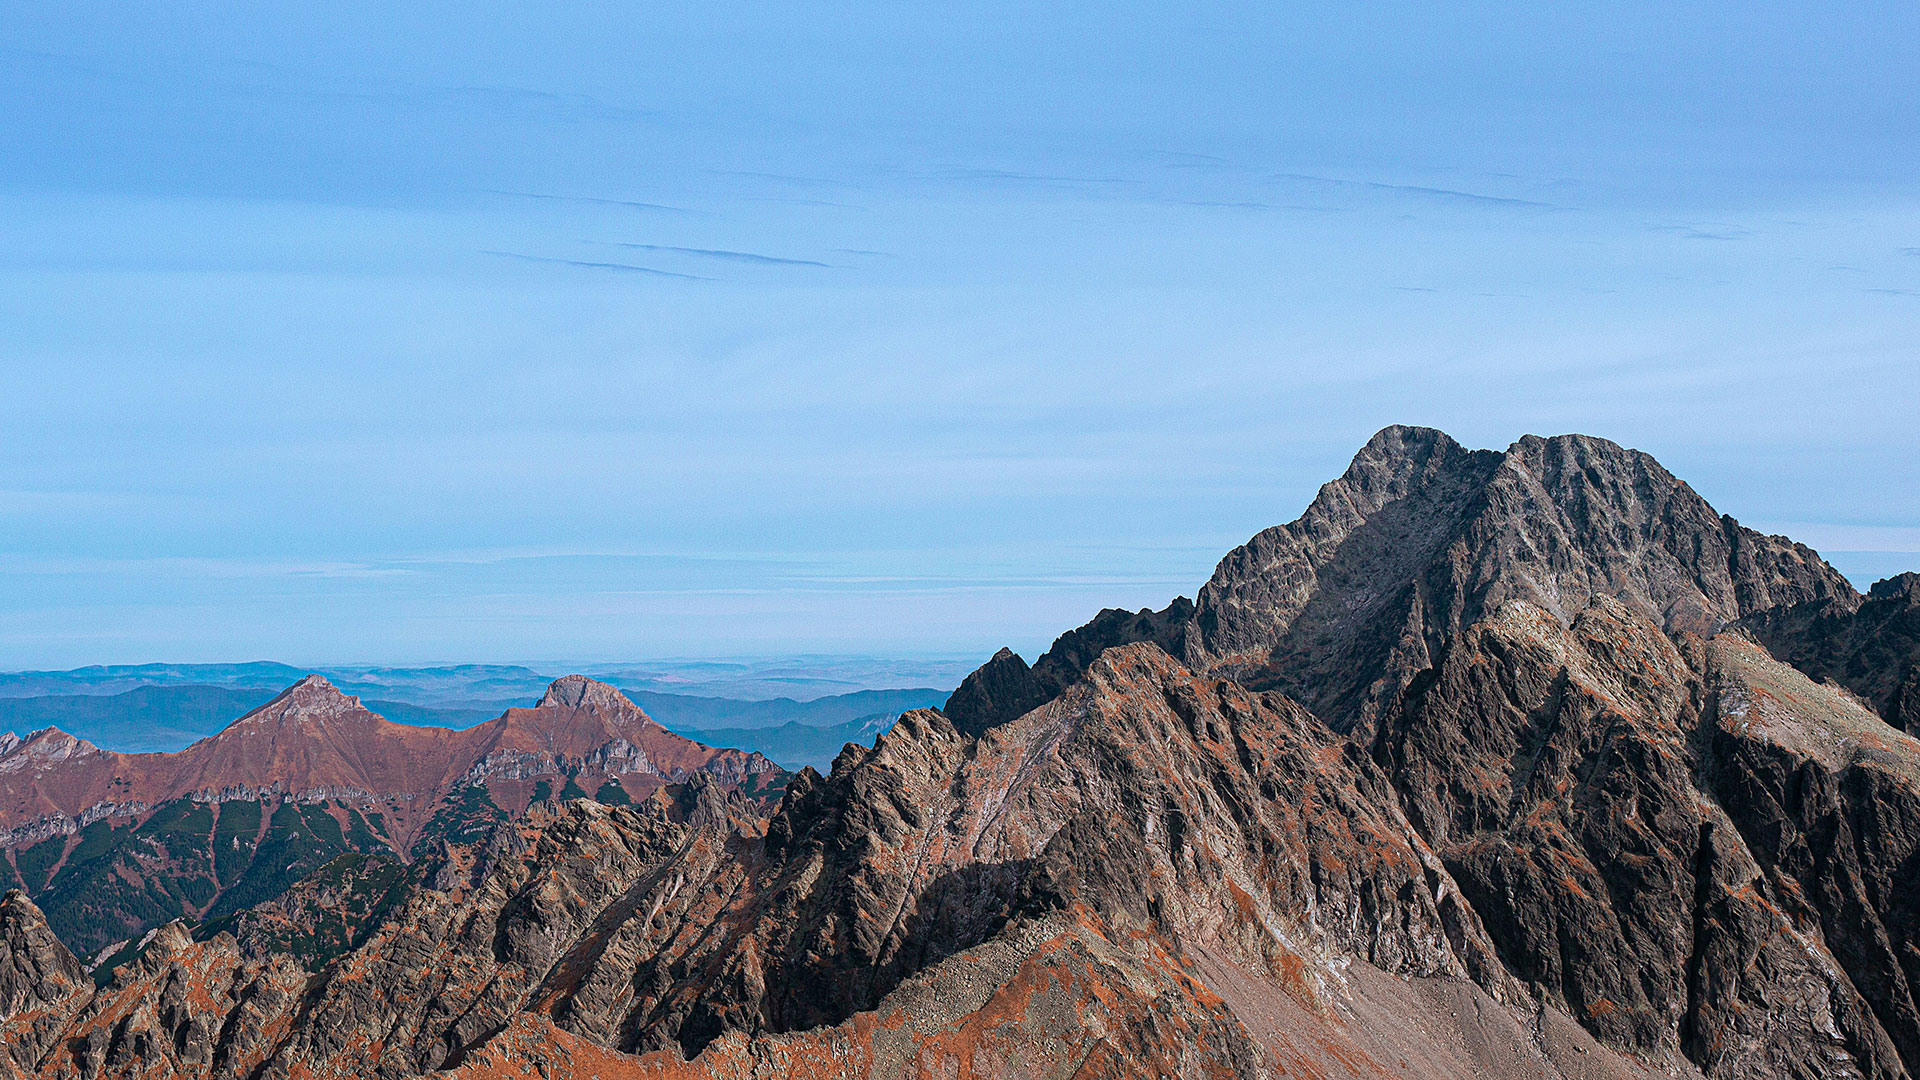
pixel 589 200
pixel 730 256
pixel 588 264
pixel 1418 190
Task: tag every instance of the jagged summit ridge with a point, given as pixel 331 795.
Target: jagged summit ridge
pixel 1516 637
pixel 1417 520
pixel 1421 537
pixel 312 698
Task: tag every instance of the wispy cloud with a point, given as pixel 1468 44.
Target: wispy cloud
pixel 780 178
pixel 1703 231
pixel 587 264
pixel 1014 176
pixel 630 204
pixel 721 253
pixel 1446 194
pixel 193 567
pixel 1182 160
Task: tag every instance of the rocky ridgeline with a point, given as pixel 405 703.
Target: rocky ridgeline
pixel 1489 765
pixel 41 750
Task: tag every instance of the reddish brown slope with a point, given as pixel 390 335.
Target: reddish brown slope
pixel 115 844
pixel 314 743
pixel 591 731
pixel 311 742
pixel 312 739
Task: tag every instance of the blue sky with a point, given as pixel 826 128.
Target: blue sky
pixel 577 331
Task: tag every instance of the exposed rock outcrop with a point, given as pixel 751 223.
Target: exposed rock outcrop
pixel 1156 871
pixel 1559 771
pixel 180 1008
pixel 1005 688
pixel 1421 538
pixel 580 692
pixel 1871 648
pixel 41 983
pixel 1002 689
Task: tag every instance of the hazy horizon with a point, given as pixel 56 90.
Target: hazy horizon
pixel 1862 568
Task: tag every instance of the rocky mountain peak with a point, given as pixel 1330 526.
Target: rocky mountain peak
pixel 1002 689
pixel 41 748
pixel 171 940
pixel 311 699
pixel 1397 459
pixel 580 692
pixel 1420 538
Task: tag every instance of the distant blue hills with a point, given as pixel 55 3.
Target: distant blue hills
pixel 146 708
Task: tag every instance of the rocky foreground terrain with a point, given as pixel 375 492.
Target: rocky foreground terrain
pixel 1493 765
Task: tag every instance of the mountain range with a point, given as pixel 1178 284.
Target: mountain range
pixel 800 679
pixel 113 844
pixel 165 716
pixel 1507 764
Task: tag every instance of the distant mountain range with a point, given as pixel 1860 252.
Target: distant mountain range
pixel 112 844
pixel 168 716
pixel 484 685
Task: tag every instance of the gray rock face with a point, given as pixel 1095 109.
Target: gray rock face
pixel 1871 648
pixel 1578 781
pixel 1002 689
pixel 1509 636
pixel 40 981
pixel 1148 816
pixel 35 969
pixel 1421 538
pixel 1827 800
pixel 180 1008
